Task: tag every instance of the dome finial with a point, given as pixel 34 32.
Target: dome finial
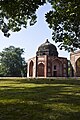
pixel 47 49
pixel 47 41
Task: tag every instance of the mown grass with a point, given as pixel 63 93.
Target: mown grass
pixel 39 99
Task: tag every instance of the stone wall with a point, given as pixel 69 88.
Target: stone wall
pixel 74 57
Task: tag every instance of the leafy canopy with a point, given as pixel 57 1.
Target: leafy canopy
pixel 11 62
pixel 63 19
pixel 16 13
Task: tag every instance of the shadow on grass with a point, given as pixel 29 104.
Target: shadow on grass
pixel 42 94
pixel 50 81
pixel 45 81
pixel 21 111
pixel 39 103
pixel 46 102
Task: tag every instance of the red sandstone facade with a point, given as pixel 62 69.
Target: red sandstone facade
pixel 47 63
pixel 47 66
pixel 75 64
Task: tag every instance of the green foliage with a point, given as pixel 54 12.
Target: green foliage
pixel 64 20
pixel 11 62
pixel 17 13
pixel 41 99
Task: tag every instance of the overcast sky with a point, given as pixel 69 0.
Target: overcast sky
pixel 32 37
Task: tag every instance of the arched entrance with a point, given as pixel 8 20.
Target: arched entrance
pixel 78 67
pixel 57 68
pixel 31 69
pixel 41 70
pixel 75 63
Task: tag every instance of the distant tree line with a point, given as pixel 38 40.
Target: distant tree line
pixel 12 64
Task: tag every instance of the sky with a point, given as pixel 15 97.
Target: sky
pixel 31 38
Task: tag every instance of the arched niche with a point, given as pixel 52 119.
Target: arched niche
pixel 31 69
pixel 40 70
pixel 78 67
pixel 57 68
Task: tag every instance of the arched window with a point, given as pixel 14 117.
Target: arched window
pixel 41 70
pixel 78 67
pixel 31 69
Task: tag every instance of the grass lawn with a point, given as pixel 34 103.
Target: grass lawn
pixel 39 99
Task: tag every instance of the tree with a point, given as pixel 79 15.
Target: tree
pixel 17 13
pixel 11 62
pixel 63 19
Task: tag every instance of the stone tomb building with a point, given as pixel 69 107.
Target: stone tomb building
pixel 75 63
pixel 46 63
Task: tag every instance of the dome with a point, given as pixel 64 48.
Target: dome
pixel 47 49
